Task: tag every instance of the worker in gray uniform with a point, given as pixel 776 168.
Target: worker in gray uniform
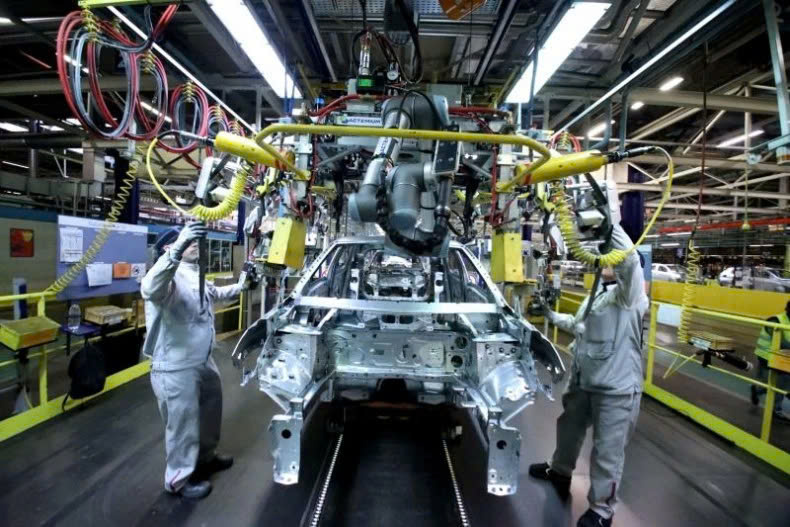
pixel 184 377
pixel 605 385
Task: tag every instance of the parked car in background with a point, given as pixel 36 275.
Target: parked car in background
pixel 762 278
pixel 668 272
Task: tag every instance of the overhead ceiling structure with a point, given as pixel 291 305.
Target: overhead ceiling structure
pixel 485 52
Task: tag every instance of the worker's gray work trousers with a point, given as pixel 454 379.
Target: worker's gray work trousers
pixel 190 402
pixel 613 418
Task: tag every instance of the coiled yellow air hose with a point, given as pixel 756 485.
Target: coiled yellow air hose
pixel 224 209
pixel 124 190
pixel 692 271
pixel 615 256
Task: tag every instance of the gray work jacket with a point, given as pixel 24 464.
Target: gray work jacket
pixel 608 344
pixel 180 335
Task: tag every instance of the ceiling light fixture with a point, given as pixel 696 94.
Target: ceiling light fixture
pixel 637 105
pixel 597 129
pixel 739 139
pixel 574 25
pixel 235 15
pixel 671 83
pixel 653 60
pixel 669 244
pixel 11 127
pixel 154 111
pixel 15 164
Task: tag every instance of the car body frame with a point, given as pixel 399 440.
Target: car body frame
pixel 362 314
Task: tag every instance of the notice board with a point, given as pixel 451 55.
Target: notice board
pixel 126 244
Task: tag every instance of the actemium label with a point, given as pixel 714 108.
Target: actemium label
pixel 358 120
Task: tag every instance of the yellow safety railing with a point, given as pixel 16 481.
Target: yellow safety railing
pixel 49 408
pixel 758 446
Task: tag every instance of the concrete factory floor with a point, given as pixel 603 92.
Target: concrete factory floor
pixel 103 465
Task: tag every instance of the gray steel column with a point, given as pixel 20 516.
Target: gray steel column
pixel 780 76
pixel 546 112
pixel 623 119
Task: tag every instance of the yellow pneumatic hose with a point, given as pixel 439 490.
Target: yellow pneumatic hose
pixel 615 256
pixel 122 195
pixel 692 268
pixel 202 212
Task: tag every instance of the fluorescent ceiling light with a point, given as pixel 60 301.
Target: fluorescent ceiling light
pixel 739 139
pixel 679 233
pixel 243 27
pixel 637 105
pixel 73 121
pixel 15 164
pixel 761 245
pixel 76 150
pixel 671 83
pixel 154 111
pixel 11 127
pixel 669 244
pixel 51 128
pixel 574 25
pixel 71 61
pixel 597 129
pixel 652 236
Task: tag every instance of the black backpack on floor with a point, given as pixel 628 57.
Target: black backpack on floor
pixel 87 373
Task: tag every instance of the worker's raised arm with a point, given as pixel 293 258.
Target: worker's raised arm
pixel 628 273
pixel 156 283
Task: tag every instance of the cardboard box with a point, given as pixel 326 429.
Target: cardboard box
pixel 28 332
pixel 106 315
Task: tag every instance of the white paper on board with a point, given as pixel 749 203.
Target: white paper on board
pixel 99 274
pixel 70 244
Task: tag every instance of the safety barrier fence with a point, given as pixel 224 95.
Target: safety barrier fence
pixel 757 445
pixel 48 408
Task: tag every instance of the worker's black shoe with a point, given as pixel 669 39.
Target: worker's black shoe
pixel 560 482
pixel 782 417
pixel 755 396
pixel 593 519
pixel 195 490
pixel 218 463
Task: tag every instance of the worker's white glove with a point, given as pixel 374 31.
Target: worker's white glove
pixel 192 231
pixel 243 281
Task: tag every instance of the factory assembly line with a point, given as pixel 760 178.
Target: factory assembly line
pixel 401 253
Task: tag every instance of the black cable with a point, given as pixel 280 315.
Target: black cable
pixel 408 92
pixel 408 16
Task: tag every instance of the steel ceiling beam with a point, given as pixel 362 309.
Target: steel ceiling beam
pixel 719 208
pixel 732 164
pixel 708 191
pixel 504 20
pixel 308 10
pixel 689 99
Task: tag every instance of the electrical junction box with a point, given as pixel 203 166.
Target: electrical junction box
pixel 506 262
pixel 288 242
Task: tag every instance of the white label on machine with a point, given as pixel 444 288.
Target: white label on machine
pixel 70 244
pixel 358 120
pixel 557 279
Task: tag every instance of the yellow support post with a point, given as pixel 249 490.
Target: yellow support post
pixel 651 344
pixel 506 261
pixel 287 247
pixel 43 396
pixel 770 395
pixel 556 309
